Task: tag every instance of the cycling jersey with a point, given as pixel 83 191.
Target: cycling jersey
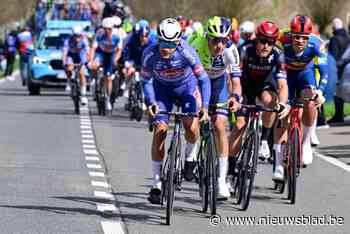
pixel 259 74
pixel 77 14
pixel 133 50
pixel 25 43
pixel 217 68
pixel 300 68
pixel 178 75
pixel 105 44
pixel 76 51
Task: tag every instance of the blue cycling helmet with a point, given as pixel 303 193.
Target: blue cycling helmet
pixel 143 23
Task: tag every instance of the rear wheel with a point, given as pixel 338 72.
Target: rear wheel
pixel 34 89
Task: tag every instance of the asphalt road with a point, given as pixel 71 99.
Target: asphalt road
pixel 61 173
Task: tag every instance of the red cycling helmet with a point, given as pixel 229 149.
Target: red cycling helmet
pixel 235 36
pixel 301 24
pixel 267 29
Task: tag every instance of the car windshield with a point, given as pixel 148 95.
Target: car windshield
pixel 53 42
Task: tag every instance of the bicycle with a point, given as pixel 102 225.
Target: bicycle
pixel 246 166
pixel 136 98
pixel 292 155
pixel 75 88
pixel 207 168
pixel 171 175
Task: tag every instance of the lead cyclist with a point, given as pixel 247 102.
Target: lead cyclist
pixel 221 62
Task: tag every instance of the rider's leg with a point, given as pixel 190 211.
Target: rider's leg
pixel 82 79
pixel 69 72
pixel 308 120
pixel 269 99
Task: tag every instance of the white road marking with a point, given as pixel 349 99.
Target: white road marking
pixel 84 117
pixel 87 136
pixel 100 184
pixel 86 131
pixel 96 174
pixel 105 195
pixel 85 127
pixel 92 158
pixel 89 146
pixel 94 166
pixel 102 207
pixel 86 141
pixel 112 227
pixel 90 151
pixel 333 161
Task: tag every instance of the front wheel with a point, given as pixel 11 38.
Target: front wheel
pixel 292 165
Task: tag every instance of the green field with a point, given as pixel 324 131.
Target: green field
pixel 329 109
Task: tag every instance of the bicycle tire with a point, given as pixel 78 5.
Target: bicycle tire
pixel 170 181
pixel 75 97
pixel 201 170
pixel 250 166
pixel 292 166
pixel 212 173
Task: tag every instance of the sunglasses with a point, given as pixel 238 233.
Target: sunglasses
pixel 300 37
pixel 265 41
pixel 217 40
pixel 167 44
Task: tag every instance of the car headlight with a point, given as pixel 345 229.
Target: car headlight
pixel 38 60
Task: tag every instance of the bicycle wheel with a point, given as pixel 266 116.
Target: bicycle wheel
pixel 292 165
pixel 75 97
pixel 212 173
pixel 249 168
pixel 139 103
pixel 202 169
pixel 170 182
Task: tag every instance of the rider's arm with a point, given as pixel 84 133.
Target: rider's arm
pixel 281 76
pixel 234 71
pixel 118 50
pixel 65 51
pixel 321 53
pixel 147 78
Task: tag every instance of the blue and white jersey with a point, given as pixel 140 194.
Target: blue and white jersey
pixel 105 44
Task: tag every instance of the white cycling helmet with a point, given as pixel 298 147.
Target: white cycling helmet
pixel 77 30
pixel 247 27
pixel 116 21
pixel 107 23
pixel 169 30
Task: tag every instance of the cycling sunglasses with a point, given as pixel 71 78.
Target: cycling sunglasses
pixel 217 40
pixel 265 41
pixel 167 44
pixel 300 37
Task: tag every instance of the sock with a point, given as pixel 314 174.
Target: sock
pixel 307 134
pixel 279 150
pixel 190 151
pixel 222 169
pixel 156 165
pixel 83 91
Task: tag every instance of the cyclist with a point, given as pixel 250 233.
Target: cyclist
pixel 75 51
pixel 221 63
pixel 138 42
pixel 263 76
pixel 106 51
pixel 300 55
pixel 247 33
pixel 171 70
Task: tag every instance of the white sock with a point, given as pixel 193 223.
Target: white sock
pixel 279 150
pixel 156 173
pixel 83 91
pixel 223 165
pixel 307 134
pixel 191 151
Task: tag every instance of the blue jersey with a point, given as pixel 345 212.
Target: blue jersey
pixel 315 48
pixel 182 67
pixel 77 14
pixel 77 49
pixel 105 44
pixel 133 50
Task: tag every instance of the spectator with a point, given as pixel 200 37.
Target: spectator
pixel 337 45
pixel 25 47
pixel 80 12
pixel 10 53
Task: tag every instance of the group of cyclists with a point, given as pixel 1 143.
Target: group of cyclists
pixel 210 70
pixel 211 76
